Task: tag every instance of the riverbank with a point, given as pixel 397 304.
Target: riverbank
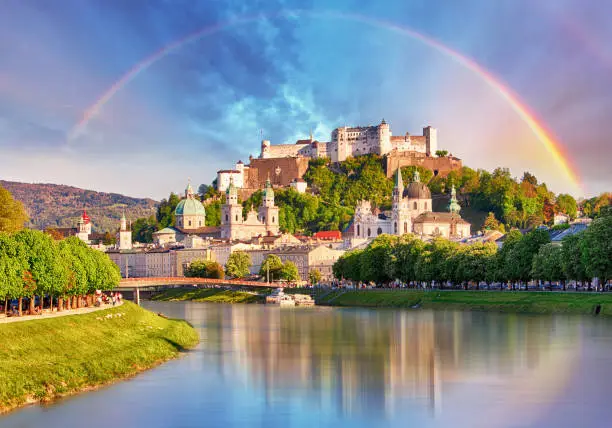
pixel 48 358
pixel 214 295
pixel 491 301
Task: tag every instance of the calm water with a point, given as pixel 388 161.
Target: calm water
pixel 262 366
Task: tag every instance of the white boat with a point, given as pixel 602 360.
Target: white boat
pixel 286 300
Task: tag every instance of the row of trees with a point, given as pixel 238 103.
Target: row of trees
pixel 66 272
pixel 522 258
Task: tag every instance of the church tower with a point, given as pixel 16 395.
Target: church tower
pixel 453 205
pixel 268 212
pixel 231 213
pixel 124 236
pixel 84 227
pixel 400 212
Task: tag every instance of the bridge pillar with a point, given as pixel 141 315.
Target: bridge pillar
pixel 137 296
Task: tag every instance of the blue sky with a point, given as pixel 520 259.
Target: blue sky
pixel 202 106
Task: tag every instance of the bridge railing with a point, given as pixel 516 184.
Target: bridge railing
pixel 175 280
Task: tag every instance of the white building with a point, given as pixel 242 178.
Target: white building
pixel 124 236
pixel 410 213
pixel 263 223
pixel 300 185
pixel 237 175
pixel 84 227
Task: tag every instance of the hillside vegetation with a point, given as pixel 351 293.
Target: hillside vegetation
pixel 54 205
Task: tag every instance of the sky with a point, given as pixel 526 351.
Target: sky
pixel 138 97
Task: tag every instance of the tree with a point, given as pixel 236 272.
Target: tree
pixel 491 223
pixel 200 268
pixel 108 239
pixel 271 268
pixel 314 276
pixel 290 271
pixel 377 260
pixel 44 264
pixel 12 214
pixel 165 211
pixel 143 229
pixel 407 253
pixel 522 254
pixel 596 249
pixel 203 189
pixel 547 262
pixel 238 265
pixel 441 153
pixel 13 266
pixel 571 258
pixel 567 205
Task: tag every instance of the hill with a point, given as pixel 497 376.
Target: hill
pixel 57 205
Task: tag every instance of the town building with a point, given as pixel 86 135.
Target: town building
pixel 411 212
pixel 84 227
pixel 124 235
pixel 265 222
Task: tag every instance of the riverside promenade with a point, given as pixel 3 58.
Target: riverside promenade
pixel 55 314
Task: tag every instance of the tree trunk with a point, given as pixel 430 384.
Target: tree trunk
pixel 5 306
pixel 19 306
pixel 60 304
pixel 32 305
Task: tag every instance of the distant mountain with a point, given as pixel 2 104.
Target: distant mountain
pixel 56 205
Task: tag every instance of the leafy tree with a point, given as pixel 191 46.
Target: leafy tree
pixel 441 153
pixel 165 211
pixel 314 276
pixel 12 213
pixel 348 266
pixel 213 212
pixel 596 249
pixel 547 262
pixel 378 260
pixel 475 261
pixel 407 253
pixel 238 265
pixel 203 189
pixel 13 266
pixel 204 269
pixel 108 239
pixel 143 229
pixel 290 271
pixel 521 255
pixel 271 268
pixel 567 205
pixel 504 262
pixel 491 223
pixel 425 175
pixel 44 264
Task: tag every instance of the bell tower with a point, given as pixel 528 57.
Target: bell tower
pixel 231 213
pixel 268 212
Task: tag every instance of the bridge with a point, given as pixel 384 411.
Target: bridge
pixel 137 284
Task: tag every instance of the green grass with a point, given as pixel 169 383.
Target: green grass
pixel 494 301
pixel 216 295
pixel 46 358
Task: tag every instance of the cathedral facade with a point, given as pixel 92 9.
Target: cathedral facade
pixel 411 212
pixel 265 222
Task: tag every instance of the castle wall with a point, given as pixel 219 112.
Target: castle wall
pixel 282 171
pixel 285 150
pixel 440 166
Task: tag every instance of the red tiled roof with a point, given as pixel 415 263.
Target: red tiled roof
pixel 328 234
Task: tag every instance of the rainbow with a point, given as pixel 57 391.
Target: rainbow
pixel 551 144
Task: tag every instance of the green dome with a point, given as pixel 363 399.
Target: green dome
pixel 189 206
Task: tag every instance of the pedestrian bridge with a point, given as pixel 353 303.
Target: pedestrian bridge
pixel 138 283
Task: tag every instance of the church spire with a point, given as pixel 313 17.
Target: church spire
pixel 416 177
pixel 399 182
pixel 453 205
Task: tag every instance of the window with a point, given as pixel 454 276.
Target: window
pixel 369 232
pixel 226 218
pixel 379 231
pixel 273 219
pixel 236 217
pixel 405 227
pixel 395 228
pixel 189 222
pixel 200 223
pixel 358 230
pixel 414 206
pixel 425 206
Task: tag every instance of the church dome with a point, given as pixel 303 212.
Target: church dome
pixel 417 190
pixel 189 206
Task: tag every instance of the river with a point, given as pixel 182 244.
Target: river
pixel 263 366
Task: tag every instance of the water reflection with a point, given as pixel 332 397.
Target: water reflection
pixel 266 366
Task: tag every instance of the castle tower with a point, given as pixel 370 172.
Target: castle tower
pixel 124 236
pixel 384 138
pixel 231 213
pixel 268 212
pixel 265 149
pixel 84 227
pixel 431 140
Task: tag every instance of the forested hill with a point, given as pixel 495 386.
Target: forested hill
pixel 56 205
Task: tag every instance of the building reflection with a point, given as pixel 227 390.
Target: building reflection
pixel 365 362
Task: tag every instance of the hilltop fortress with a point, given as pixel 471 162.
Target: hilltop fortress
pixel 285 164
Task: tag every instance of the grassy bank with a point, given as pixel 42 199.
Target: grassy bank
pixel 46 358
pixel 493 301
pixel 216 295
